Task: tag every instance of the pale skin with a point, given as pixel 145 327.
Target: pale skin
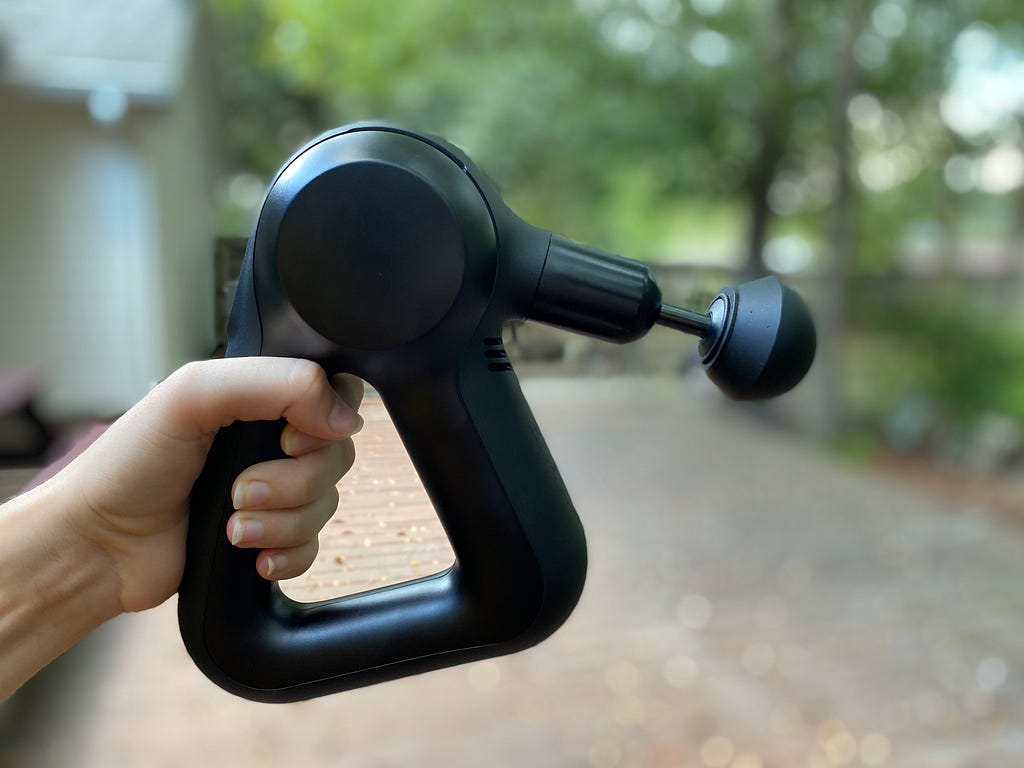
pixel 106 535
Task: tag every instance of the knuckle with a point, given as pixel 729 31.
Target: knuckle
pixel 180 380
pixel 298 529
pixel 306 378
pixel 347 456
pixel 332 498
pixel 310 550
pixel 174 399
pixel 308 489
pixel 336 466
pixel 187 376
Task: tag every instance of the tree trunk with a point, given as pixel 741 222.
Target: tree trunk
pixel 773 123
pixel 759 184
pixel 831 306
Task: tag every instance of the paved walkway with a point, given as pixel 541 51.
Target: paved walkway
pixel 750 603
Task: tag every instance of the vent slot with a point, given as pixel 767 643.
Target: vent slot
pixel 496 351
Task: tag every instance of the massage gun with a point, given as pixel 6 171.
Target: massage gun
pixel 386 253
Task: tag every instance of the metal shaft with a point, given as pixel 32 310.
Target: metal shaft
pixel 685 320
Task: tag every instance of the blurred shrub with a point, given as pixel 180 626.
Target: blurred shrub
pixel 932 366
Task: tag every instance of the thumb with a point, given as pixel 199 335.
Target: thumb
pixel 202 397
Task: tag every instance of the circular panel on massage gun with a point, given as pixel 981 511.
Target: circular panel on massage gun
pixel 370 255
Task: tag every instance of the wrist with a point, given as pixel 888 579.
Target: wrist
pixel 56 586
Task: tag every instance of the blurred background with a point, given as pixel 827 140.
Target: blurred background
pixel 868 152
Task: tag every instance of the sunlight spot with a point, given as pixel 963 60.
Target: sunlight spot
pixel 680 671
pixel 627 33
pixel 864 112
pixel 747 760
pixel 663 12
pixel 991 673
pixel 1001 170
pixel 710 48
pixel 694 611
pixel 245 191
pixel 290 35
pixel 889 19
pixel 788 255
pixel 877 172
pixel 708 7
pixel 874 749
pixel 785 197
pixel 871 50
pixel 717 752
pixel 836 741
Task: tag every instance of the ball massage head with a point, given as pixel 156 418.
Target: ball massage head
pixel 757 339
pixel 386 253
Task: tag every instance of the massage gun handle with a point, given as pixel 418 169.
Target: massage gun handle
pixel 520 554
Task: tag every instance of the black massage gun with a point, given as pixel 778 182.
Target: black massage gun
pixel 387 253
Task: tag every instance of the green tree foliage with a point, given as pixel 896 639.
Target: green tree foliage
pixel 620 122
pixel 566 102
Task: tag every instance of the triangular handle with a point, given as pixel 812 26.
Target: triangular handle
pixel 519 547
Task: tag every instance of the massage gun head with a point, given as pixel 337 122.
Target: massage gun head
pixel 759 341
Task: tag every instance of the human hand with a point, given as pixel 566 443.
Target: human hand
pixel 132 485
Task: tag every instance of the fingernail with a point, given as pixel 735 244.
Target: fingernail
pixel 344 420
pixel 246 530
pixel 250 494
pixel 276 563
pixel 296 443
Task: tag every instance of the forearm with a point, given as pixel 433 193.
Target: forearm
pixel 55 585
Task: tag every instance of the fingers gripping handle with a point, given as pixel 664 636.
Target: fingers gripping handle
pixel 220 589
pixel 520 555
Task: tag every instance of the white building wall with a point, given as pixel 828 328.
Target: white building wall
pixel 179 147
pixel 95 289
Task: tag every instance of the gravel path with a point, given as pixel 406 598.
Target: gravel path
pixel 750 603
